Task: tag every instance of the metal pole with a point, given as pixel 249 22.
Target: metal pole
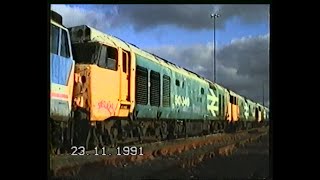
pixel 214 16
pixel 263 93
pixel 214 49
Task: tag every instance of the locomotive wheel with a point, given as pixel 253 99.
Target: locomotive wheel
pixel 239 126
pixel 101 140
pixel 139 131
pixel 80 129
pixel 114 137
pixel 229 127
pixel 95 137
pixel 53 137
pixel 92 139
pixel 172 130
pixel 57 139
pixel 158 133
pixel 185 130
pixel 217 127
pixel 164 130
pixel 248 125
pixel 225 126
pixel 243 125
pixel 142 130
pixel 212 128
pixel 80 132
pixel 110 135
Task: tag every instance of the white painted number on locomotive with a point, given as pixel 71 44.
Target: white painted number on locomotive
pixel 181 101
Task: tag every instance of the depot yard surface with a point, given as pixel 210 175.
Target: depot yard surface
pixel 241 156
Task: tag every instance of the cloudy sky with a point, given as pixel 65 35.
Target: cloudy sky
pixel 183 34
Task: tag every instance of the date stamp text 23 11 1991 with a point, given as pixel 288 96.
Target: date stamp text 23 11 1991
pixel 125 150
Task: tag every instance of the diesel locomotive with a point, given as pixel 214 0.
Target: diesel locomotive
pixel 112 90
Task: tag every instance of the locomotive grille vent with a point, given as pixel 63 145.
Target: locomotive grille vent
pixel 166 91
pixel 155 89
pixel 142 86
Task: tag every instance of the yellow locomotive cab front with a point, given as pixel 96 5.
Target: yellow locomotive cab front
pixel 102 75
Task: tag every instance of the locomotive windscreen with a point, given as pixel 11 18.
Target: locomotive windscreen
pixel 86 53
pixel 95 53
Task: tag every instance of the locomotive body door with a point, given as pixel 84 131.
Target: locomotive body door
pixel 125 70
pixel 125 77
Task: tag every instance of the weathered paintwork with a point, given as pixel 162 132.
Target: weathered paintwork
pixel 100 99
pixel 244 109
pixel 61 83
pixel 233 108
pixel 186 100
pixel 221 102
pixel 195 98
pixel 107 99
pixel 252 108
pixel 262 112
pixel 60 69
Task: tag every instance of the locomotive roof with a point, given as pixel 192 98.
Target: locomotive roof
pixel 98 36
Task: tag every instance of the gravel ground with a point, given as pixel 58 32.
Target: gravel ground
pixel 248 162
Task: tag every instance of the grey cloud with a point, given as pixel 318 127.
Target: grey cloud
pixel 190 16
pixel 74 16
pixel 248 55
pixel 143 17
pixel 242 66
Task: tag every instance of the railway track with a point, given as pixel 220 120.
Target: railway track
pixel 190 152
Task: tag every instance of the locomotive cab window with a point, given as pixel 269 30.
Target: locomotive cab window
pixel 212 87
pixel 86 53
pixel 64 51
pixel 233 100
pixel 54 39
pixel 112 55
pixel 59 45
pixel 177 82
pixel 96 53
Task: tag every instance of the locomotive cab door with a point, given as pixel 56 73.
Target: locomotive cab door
pixel 125 81
pixel 258 114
